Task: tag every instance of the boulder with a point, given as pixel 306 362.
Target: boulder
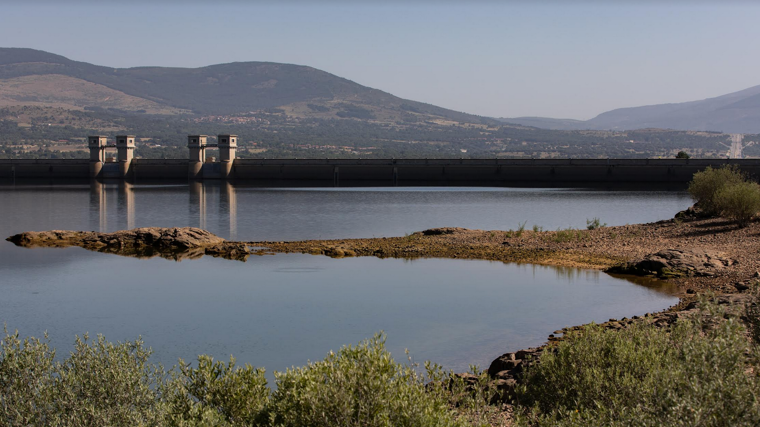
pixel 443 231
pixel 676 263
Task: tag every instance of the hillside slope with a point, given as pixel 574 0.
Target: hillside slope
pixel 233 88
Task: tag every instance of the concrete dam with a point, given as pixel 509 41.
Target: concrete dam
pixel 337 172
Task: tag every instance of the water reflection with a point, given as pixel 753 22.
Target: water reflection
pixel 202 196
pixel 98 206
pixel 126 204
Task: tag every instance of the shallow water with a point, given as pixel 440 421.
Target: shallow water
pixel 278 311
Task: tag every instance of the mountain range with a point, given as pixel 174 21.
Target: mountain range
pixel 38 78
pixel 737 112
pixel 31 77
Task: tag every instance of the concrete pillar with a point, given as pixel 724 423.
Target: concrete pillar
pixel 125 146
pixel 97 145
pixel 197 146
pixel 227 150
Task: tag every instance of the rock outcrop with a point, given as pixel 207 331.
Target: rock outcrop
pixel 172 243
pixel 676 263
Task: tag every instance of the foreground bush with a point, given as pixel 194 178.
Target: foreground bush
pixel 698 374
pixel 707 183
pixel 100 384
pixel 105 384
pixel 358 386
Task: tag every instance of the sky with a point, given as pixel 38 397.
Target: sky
pixel 563 59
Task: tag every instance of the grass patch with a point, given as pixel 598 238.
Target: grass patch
pixel 568 235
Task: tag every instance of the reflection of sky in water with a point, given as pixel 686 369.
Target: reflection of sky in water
pixel 277 311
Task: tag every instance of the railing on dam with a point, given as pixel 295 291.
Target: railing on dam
pixel 389 171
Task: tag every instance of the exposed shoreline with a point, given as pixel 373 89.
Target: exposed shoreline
pixel 606 248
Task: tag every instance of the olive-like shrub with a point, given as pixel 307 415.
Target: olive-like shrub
pixel 106 384
pixel 726 191
pixel 702 372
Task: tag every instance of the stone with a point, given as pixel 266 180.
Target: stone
pixel 740 286
pixel 442 231
pixel 172 243
pixel 676 263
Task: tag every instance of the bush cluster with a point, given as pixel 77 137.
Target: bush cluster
pixel 105 384
pixel 698 373
pixel 726 191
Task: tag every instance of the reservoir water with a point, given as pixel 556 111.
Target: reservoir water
pixel 282 310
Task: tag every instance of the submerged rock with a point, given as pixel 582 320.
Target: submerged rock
pixel 676 263
pixel 173 243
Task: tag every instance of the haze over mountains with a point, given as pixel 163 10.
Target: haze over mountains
pixel 48 104
pixel 737 112
pixel 33 77
pixel 38 78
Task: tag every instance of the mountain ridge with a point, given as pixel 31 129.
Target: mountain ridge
pixel 735 112
pixel 232 88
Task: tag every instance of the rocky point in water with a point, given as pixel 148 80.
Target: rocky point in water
pixel 175 243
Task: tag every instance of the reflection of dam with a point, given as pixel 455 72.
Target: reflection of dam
pixel 113 206
pixel 203 193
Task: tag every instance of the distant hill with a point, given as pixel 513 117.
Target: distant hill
pixel 737 112
pixel 33 77
pixel 547 123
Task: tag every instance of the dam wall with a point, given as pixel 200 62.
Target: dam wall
pixel 385 172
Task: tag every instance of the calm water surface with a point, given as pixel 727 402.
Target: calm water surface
pixel 278 311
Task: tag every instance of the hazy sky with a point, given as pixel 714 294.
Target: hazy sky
pixel 567 59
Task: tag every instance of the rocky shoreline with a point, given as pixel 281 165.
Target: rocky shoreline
pixel 175 243
pixel 695 255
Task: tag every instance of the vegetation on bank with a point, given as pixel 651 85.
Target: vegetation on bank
pixel 702 370
pixel 726 192
pixel 107 384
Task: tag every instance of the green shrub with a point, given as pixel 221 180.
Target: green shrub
pixel 706 184
pixel 105 384
pixel 739 202
pixel 696 374
pixel 218 392
pixel 99 384
pixel 358 386
pixel 26 384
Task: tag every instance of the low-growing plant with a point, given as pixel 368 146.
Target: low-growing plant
pixel 694 374
pixel 752 313
pixel 593 224
pixel 521 228
pixel 537 228
pixel 568 235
